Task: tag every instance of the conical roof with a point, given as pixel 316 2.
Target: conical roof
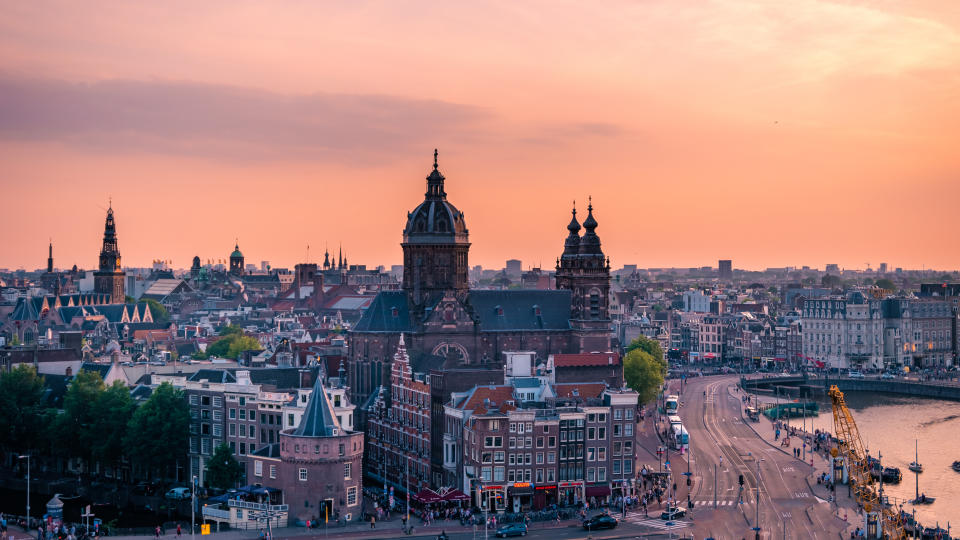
pixel 318 419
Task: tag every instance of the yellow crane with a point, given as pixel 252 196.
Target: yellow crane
pixel 850 449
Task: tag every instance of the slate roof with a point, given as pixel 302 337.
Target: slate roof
pixel 26 310
pixel 268 451
pixel 495 310
pixel 213 375
pixel 102 369
pixel 519 309
pixel 280 378
pixel 318 418
pixel 141 392
pixel 379 316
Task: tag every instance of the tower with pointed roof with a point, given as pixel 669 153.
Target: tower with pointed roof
pixel 236 260
pixel 435 247
pixel 50 259
pixel 109 279
pixel 585 271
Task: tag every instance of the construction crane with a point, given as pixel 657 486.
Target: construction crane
pixel 886 521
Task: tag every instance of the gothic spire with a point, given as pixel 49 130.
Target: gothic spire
pixel 590 242
pixel 572 245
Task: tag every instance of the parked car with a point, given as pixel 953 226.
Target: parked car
pixel 512 529
pixel 601 521
pixel 855 374
pixel 178 494
pixel 673 512
pixel 888 375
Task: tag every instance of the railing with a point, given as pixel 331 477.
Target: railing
pixel 215 513
pixel 257 506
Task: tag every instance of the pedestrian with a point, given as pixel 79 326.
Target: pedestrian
pixel 178 530
pixel 373 522
pixel 156 532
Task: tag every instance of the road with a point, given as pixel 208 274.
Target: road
pixel 722 442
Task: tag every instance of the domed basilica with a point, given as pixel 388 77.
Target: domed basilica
pixel 450 326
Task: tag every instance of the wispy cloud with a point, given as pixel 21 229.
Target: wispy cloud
pixel 225 122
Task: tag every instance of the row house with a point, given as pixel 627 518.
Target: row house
pixel 576 443
pixel 398 429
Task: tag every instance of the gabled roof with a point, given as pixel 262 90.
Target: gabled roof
pixel 318 418
pixel 581 390
pixel 483 396
pixel 521 309
pixel 26 310
pixel 213 375
pixel 102 369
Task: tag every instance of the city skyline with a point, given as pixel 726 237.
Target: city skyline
pixel 710 132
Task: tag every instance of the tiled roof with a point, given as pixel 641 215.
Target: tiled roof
pixel 583 390
pixel 213 375
pixel 586 359
pixel 481 396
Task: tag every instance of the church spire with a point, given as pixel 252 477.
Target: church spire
pixel 435 181
pixel 50 258
pixel 572 245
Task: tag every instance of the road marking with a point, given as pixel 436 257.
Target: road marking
pixel 800 494
pixel 788 469
pixel 786 515
pixel 661 524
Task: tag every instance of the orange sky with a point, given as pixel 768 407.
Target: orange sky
pixel 775 134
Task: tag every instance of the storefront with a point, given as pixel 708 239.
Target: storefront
pixel 521 496
pixel 570 493
pixel 493 498
pixel 597 494
pixel 544 496
pixel 622 488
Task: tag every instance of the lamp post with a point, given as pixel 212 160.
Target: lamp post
pixel 193 507
pixel 27 457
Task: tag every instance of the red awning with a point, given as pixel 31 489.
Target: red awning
pixel 427 496
pixel 455 495
pixel 597 491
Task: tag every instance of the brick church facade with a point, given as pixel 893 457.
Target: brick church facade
pixel 449 326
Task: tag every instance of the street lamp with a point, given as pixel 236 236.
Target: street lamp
pixel 27 457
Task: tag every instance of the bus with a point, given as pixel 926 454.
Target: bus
pixel 674 420
pixel 681 439
pixel 672 404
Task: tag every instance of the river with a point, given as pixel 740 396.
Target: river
pixel 890 424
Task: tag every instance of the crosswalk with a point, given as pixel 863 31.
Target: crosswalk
pixel 660 524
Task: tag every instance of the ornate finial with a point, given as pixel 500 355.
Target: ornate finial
pixel 589 203
pixel 435 158
pixel 110 202
pixel 574 207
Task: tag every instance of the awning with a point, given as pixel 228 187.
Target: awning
pixel 455 495
pixel 427 496
pixel 521 488
pixel 597 491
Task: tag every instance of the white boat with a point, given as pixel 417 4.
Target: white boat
pixel 915 467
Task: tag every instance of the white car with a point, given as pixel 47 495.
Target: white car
pixel 178 494
pixel 855 375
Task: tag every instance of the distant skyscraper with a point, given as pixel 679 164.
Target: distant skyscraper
pixel 725 268
pixel 883 268
pixel 514 268
pixel 109 279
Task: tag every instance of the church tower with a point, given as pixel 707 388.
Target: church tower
pixel 585 271
pixel 50 259
pixel 236 260
pixel 109 279
pixel 435 245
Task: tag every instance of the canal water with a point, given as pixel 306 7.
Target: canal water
pixel 890 424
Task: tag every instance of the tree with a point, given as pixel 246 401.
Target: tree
pixel 644 374
pixel 21 408
pixel 158 432
pixel 649 346
pixel 112 413
pixel 159 313
pixel 129 300
pixel 223 471
pixel 830 281
pixel 230 330
pixel 233 345
pixel 77 418
pixel 14 341
pixel 886 283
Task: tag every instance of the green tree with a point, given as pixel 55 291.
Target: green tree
pixel 21 409
pixel 112 412
pixel 129 300
pixel 157 434
pixel 230 330
pixel 649 346
pixel 886 283
pixel 233 345
pixel 223 471
pixel 78 416
pixel 15 340
pixel 644 374
pixel 159 313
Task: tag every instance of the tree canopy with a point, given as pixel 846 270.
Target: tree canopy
pixel 78 417
pixel 830 281
pixel 21 408
pixel 223 471
pixel 644 368
pixel 158 432
pixel 112 412
pixel 160 313
pixel 886 283
pixel 232 344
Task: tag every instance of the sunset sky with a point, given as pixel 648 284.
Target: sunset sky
pixel 774 133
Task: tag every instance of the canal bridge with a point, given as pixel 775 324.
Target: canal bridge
pixel 804 386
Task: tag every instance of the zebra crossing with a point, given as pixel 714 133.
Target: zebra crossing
pixel 660 524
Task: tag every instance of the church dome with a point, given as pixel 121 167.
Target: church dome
pixel 236 252
pixel 435 220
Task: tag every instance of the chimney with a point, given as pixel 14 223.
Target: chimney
pixel 243 376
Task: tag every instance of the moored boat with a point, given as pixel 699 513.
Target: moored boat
pixel 956 466
pixel 915 467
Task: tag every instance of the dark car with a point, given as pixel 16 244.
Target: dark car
pixel 672 513
pixel 512 529
pixel 602 521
